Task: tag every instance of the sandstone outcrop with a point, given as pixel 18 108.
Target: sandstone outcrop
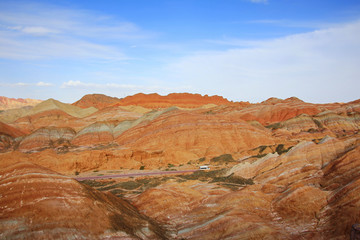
pixel 98 101
pixel 208 211
pixel 194 132
pixel 52 104
pixel 37 203
pixel 49 137
pixel 9 116
pixel 302 159
pixel 185 100
pixel 6 129
pixel 97 133
pixel 59 118
pixel 8 135
pixel 311 192
pixel 49 118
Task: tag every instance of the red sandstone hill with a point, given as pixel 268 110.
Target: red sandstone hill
pixel 303 160
pixel 11 131
pixel 9 103
pixel 98 101
pixel 185 100
pixel 37 203
pixel 7 136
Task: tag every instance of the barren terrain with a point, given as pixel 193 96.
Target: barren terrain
pixel 280 169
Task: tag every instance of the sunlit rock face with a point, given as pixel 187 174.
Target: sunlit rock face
pixel 300 160
pixel 8 135
pixel 197 133
pixel 299 194
pixel 98 101
pixel 10 103
pixel 184 100
pixel 37 203
pixel 49 137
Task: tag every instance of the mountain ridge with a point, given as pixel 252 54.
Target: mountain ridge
pixel 11 103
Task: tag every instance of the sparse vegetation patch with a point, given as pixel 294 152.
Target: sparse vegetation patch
pixel 280 149
pixel 262 148
pixel 202 159
pixel 274 126
pixel 222 159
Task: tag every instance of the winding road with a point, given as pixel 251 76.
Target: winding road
pixel 134 175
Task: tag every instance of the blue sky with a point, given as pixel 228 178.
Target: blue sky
pixel 244 50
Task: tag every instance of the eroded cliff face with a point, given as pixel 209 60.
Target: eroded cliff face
pixel 301 164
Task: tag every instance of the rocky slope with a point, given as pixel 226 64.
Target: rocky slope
pixel 98 101
pixel 183 132
pixel 283 169
pixel 10 103
pixel 185 100
pixel 8 135
pixel 310 192
pixel 37 203
pixel 52 104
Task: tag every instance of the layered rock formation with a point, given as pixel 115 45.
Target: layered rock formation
pixel 10 103
pixel 52 104
pixel 198 133
pixel 8 134
pixel 37 203
pixel 9 116
pixel 49 137
pixel 310 192
pixel 6 129
pixel 98 101
pixel 303 159
pixel 185 100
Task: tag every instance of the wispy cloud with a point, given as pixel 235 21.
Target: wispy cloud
pixel 313 24
pixel 22 84
pixel 35 31
pixel 44 84
pixel 317 66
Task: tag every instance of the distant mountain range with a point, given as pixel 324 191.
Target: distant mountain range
pixel 9 103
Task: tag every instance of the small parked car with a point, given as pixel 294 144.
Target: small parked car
pixel 204 168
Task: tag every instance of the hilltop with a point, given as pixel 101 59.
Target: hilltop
pixel 185 100
pixel 98 101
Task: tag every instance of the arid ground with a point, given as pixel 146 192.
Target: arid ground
pixel 279 169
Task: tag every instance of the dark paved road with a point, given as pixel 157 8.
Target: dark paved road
pixel 133 175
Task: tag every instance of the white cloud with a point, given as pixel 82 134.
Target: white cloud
pixel 21 84
pixel 319 66
pixel 36 31
pixel 44 84
pixel 12 47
